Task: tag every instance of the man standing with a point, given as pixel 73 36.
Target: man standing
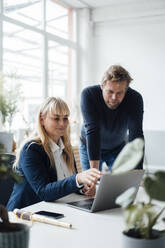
pixel 111 112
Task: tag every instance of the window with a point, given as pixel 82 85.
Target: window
pixel 36 43
pixel 59 22
pixel 25 11
pixel 59 67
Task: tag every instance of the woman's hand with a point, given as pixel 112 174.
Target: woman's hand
pixel 89 191
pixel 89 177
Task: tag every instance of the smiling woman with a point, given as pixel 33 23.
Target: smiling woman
pixel 55 126
pixel 55 122
pixel 46 162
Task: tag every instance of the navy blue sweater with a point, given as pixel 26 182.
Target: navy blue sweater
pixel 105 129
pixel 39 179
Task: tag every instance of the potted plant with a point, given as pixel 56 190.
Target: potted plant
pixel 9 97
pixel 12 235
pixel 142 217
pixel 10 94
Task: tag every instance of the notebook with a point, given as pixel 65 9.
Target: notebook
pixel 109 188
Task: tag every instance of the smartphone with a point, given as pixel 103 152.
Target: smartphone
pixel 50 214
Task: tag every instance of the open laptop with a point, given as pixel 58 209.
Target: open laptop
pixel 109 188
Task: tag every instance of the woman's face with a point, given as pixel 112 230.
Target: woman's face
pixel 55 125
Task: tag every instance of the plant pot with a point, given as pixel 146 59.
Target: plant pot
pixel 14 235
pixel 131 242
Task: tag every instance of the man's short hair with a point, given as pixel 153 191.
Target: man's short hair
pixel 116 73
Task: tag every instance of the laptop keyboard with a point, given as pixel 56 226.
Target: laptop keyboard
pixel 87 204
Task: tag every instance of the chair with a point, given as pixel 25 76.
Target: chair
pixel 154 158
pixel 77 158
pixel 6 186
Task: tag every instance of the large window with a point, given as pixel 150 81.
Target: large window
pixel 60 21
pixel 60 69
pixel 36 45
pixel 25 11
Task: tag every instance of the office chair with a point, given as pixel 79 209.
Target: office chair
pixel 6 186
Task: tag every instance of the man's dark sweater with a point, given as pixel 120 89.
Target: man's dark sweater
pixel 104 129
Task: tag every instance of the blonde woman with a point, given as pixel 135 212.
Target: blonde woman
pixel 46 162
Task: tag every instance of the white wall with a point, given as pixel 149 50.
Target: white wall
pixel 138 44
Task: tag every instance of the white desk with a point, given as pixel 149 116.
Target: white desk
pixel 91 230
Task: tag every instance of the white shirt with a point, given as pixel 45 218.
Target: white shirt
pixel 60 164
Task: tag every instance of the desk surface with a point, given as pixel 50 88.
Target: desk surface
pixel 94 230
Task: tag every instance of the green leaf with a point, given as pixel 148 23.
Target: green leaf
pixel 6 171
pixel 133 215
pixel 9 97
pixel 3 169
pixel 129 157
pixel 140 216
pixel 155 187
pixel 160 175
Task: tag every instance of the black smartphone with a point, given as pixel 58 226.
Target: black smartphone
pixel 50 214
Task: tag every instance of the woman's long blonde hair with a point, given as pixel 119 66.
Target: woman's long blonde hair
pixel 55 106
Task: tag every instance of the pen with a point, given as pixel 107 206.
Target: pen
pixel 25 215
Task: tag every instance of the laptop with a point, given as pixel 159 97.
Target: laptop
pixel 109 188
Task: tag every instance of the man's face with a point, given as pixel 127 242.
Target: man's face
pixel 113 93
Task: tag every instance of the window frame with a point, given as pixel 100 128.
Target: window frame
pixel 46 37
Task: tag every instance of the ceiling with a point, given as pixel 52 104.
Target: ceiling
pixel 96 3
pixel 111 10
